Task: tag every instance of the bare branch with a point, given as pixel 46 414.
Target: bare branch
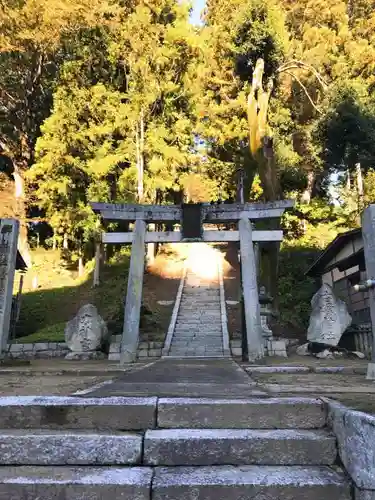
pixel 295 63
pixel 304 89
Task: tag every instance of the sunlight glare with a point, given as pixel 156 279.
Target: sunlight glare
pixel 203 260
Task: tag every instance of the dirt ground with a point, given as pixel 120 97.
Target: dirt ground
pixel 46 385
pixel 161 282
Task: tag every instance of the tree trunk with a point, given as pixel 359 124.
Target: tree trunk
pixel 20 213
pixel 140 132
pixel 307 193
pixel 81 267
pixel 360 187
pixel 65 242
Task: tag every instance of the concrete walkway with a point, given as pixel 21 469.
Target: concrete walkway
pixel 189 378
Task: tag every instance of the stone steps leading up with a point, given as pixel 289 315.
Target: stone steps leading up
pixel 198 329
pixel 173 448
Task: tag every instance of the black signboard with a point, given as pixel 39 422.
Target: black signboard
pixel 191 223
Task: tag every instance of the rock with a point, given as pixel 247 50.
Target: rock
pixel 87 331
pixel 329 318
pixel 357 354
pixel 303 350
pixel 326 354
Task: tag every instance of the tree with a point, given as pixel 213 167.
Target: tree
pixel 30 54
pixel 120 129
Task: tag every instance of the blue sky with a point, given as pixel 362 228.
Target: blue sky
pixel 197 9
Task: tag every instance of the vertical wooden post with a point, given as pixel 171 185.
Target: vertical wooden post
pixel 250 291
pixel 130 334
pixel 98 258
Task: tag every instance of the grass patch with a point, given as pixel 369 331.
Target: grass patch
pixel 51 333
pixel 45 311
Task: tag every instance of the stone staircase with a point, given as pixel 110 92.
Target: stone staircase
pixel 198 329
pixel 152 448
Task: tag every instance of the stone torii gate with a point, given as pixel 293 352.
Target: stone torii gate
pixel 192 217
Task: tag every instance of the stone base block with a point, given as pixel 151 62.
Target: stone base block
pixel 114 356
pixel 277 348
pixel 85 356
pixel 363 494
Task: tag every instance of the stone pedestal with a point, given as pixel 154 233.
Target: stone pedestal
pixel 265 302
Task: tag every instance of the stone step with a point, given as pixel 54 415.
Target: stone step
pixel 43 447
pixel 270 413
pixel 250 482
pixel 73 483
pixel 174 447
pixel 48 412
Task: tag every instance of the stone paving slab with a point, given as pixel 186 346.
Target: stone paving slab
pixel 250 483
pixel 75 483
pixel 173 447
pixel 184 377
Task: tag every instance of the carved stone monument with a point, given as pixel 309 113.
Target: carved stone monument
pixel 86 334
pixel 329 317
pixel 9 229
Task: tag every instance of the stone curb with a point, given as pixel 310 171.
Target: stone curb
pixel 348 370
pixel 223 311
pixel 176 308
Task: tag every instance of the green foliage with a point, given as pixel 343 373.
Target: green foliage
pixel 50 333
pixel 347 131
pixel 295 289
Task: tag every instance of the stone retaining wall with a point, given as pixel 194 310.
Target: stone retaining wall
pixel 146 350
pixel 355 433
pixel 38 350
pixel 271 348
pixel 153 350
